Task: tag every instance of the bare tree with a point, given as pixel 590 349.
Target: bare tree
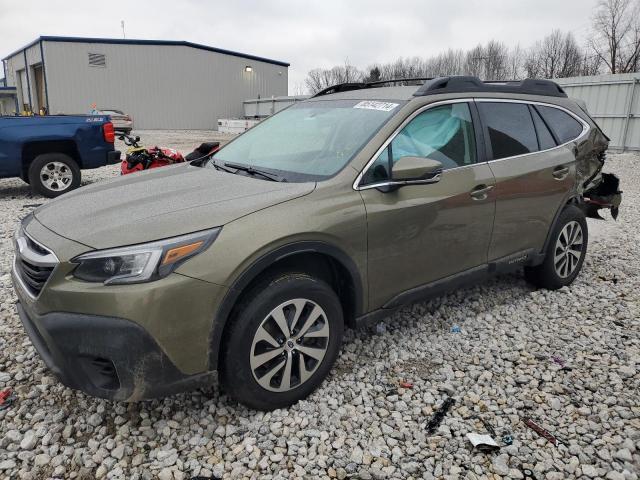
pixel 319 78
pixel 590 64
pixel 615 43
pixel 616 34
pixel 515 63
pixel 474 61
pixel 558 55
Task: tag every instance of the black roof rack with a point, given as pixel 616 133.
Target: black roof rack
pixel 345 87
pixel 464 84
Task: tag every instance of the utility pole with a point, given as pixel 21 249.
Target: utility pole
pixel 122 25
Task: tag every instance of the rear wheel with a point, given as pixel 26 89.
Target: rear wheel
pixel 565 253
pixel 283 341
pixel 52 174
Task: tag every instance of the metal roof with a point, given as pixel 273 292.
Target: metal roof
pixel 127 41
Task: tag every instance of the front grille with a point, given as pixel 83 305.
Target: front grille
pixel 33 276
pixel 34 263
pixel 39 249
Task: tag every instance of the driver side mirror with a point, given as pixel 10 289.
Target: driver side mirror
pixel 416 170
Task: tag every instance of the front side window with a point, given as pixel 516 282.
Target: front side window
pixel 565 127
pixel 309 140
pixel 443 133
pixel 510 127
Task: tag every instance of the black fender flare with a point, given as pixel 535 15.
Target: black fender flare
pixel 261 264
pixel 572 199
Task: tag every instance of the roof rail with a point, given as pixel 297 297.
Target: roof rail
pixel 345 87
pixel 464 84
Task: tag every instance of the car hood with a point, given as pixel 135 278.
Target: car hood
pixel 160 203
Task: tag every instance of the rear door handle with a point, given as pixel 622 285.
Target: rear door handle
pixel 560 173
pixel 481 192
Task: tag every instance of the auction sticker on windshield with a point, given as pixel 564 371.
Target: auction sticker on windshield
pixel 373 105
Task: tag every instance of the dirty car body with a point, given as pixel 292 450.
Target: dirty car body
pixel 334 212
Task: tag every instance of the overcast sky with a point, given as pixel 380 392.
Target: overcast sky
pixel 307 34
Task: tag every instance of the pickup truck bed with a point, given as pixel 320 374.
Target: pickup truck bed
pixel 49 151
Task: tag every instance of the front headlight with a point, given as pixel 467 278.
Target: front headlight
pixel 141 263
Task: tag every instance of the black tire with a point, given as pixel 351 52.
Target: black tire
pixel 67 165
pixel 25 177
pixel 236 372
pixel 547 274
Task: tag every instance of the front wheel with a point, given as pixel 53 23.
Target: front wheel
pixel 565 253
pixel 283 341
pixel 52 174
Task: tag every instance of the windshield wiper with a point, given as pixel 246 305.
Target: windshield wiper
pixel 222 168
pixel 254 171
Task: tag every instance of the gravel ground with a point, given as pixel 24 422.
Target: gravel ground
pixel 505 364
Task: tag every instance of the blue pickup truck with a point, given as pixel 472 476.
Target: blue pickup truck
pixel 48 152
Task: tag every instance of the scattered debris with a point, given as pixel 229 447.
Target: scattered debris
pixel 614 279
pixel 456 329
pixel 31 205
pixel 406 384
pixel 542 432
pixel 488 426
pixel 507 440
pixel 7 397
pixel 527 474
pixel 483 442
pixel 436 420
pixel 381 328
pixel 563 366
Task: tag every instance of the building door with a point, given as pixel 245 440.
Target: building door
pixel 23 90
pixel 38 74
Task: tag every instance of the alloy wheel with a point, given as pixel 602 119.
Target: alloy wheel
pixel 569 249
pixel 56 176
pixel 289 345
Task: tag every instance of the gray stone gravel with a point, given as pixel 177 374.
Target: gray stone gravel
pixel 360 423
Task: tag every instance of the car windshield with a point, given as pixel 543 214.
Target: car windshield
pixel 309 140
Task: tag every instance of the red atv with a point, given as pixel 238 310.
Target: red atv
pixel 141 158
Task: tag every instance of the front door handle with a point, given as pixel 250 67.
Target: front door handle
pixel 560 173
pixel 481 192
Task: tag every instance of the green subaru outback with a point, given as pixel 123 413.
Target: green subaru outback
pixel 331 214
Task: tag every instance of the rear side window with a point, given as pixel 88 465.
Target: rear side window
pixel 545 139
pixel 565 127
pixel 510 127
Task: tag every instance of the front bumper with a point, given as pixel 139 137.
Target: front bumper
pixel 113 157
pixel 106 357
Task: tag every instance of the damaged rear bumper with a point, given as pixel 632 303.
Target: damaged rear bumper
pixel 606 194
pixel 106 357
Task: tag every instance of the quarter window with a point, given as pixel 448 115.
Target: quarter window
pixel 510 127
pixel 545 139
pixel 443 133
pixel 565 127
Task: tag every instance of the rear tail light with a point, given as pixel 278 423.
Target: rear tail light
pixel 109 132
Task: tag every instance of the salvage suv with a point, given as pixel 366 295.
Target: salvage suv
pixel 335 212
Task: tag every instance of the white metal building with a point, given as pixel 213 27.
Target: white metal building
pixel 614 102
pixel 161 84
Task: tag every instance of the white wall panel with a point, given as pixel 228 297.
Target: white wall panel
pixel 161 86
pixel 614 102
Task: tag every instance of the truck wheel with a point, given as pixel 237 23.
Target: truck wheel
pixel 565 252
pixel 52 174
pixel 283 341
